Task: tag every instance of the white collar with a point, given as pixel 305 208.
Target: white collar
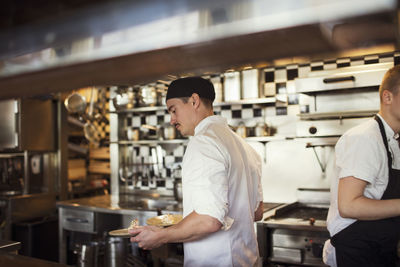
pixel 208 120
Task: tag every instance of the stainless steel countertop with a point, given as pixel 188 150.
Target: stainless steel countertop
pixel 9 246
pixel 14 260
pixel 123 204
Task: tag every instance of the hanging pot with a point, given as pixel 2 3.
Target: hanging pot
pixel 75 103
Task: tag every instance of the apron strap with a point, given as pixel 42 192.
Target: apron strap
pixel 383 133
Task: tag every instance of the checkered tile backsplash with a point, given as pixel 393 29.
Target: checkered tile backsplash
pixel 278 81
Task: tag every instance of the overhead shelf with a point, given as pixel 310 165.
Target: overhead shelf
pixel 258 101
pixel 337 115
pixel 150 142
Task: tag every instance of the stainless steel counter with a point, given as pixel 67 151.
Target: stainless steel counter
pixel 9 246
pixel 13 260
pixel 124 204
pixel 96 216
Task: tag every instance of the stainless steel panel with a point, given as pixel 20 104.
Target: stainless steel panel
pixel 38 125
pixel 349 101
pixel 326 127
pixel 27 124
pixel 343 78
pixel 40 205
pixel 287 254
pixel 8 124
pixel 77 220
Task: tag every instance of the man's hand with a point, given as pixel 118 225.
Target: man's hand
pixel 147 237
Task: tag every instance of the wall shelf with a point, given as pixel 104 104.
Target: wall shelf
pixel 338 115
pixel 150 142
pixel 258 101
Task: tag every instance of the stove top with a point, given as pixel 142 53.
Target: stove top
pixel 299 215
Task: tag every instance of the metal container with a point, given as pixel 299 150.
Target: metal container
pixel 232 86
pixel 88 254
pixel 125 98
pixel 250 84
pixel 149 96
pixel 178 189
pixel 116 251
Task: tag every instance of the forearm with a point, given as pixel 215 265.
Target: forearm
pixel 363 208
pixel 192 227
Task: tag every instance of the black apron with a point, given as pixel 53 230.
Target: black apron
pixel 372 243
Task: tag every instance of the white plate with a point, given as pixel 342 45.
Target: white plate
pixel 120 233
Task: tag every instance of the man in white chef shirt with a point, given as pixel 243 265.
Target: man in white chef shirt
pixel 363 218
pixel 221 185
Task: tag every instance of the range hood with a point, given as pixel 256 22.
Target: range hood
pixel 131 42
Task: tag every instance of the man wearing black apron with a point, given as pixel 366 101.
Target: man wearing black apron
pixel 364 217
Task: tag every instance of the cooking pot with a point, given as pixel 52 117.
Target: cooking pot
pixel 149 96
pixel 178 189
pixel 125 98
pixel 241 130
pixel 116 251
pixel 87 254
pixel 168 131
pixel 75 103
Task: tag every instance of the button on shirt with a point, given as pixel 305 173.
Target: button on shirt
pixel 361 153
pixel 221 177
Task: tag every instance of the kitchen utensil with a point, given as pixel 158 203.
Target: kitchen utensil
pixel 116 251
pixel 75 103
pixel 165 220
pixel 168 131
pixel 261 129
pixel 241 130
pixel 91 132
pixel 178 189
pixel 87 254
pixel 125 98
pixel 149 96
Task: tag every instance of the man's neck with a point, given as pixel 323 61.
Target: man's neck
pixel 390 120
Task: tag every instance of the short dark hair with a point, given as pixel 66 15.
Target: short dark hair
pixel 391 81
pixel 206 102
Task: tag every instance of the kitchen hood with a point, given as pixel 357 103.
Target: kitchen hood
pixel 131 42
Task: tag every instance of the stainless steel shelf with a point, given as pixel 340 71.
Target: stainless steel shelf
pixel 150 142
pixel 259 101
pixel 140 109
pixel 265 139
pixel 337 115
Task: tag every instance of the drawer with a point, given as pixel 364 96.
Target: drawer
pixel 78 220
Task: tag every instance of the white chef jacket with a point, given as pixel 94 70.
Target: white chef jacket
pixel 361 153
pixel 221 177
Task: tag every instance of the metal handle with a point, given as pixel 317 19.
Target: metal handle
pixel 339 79
pixel 77 220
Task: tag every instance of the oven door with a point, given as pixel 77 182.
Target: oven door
pixel 294 246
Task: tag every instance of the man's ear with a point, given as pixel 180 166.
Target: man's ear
pixel 387 96
pixel 195 100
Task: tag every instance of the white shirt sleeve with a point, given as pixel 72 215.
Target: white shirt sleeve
pixel 206 176
pixel 356 155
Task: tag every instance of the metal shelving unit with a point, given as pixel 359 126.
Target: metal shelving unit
pixel 259 101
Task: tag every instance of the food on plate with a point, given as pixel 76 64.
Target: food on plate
pixel 165 220
pixel 125 232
